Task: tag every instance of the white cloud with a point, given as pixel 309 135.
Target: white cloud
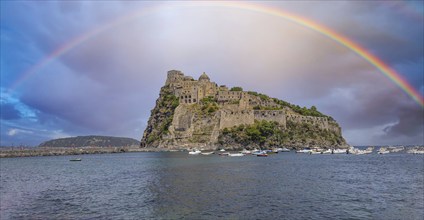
pixel 15 131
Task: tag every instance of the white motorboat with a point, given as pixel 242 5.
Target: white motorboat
pixel 369 150
pixel 194 152
pixel 284 149
pixel 222 150
pixel 383 150
pixel 257 152
pixel 207 153
pixel 339 151
pixel 244 151
pixel 328 151
pixel 306 150
pixel 356 151
pixel 236 155
pixel 315 152
pixel 415 151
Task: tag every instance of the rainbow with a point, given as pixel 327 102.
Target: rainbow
pixel 385 69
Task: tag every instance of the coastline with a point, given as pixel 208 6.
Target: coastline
pixel 57 151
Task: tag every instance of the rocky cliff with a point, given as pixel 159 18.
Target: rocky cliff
pixel 199 113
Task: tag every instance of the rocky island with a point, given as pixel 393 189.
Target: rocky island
pixel 200 114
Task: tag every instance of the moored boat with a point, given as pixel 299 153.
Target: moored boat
pixel 328 151
pixel 383 150
pixel 339 151
pixel 305 150
pixel 207 153
pixel 236 155
pixel 284 149
pixel 75 159
pixel 315 152
pixel 244 151
pixel 194 152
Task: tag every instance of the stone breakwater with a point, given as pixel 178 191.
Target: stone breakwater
pixel 53 151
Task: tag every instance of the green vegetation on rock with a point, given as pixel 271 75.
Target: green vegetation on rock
pixel 163 115
pixel 264 133
pixel 313 111
pixel 236 88
pixel 268 134
pixel 208 105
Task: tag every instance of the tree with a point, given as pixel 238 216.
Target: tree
pixel 236 88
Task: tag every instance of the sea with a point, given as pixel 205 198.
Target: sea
pixel 175 185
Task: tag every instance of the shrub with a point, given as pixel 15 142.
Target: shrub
pixel 236 88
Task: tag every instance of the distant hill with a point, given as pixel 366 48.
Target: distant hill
pixel 91 141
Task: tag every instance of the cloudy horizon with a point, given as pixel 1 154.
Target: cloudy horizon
pixel 107 83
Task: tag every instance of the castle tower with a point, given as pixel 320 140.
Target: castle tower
pixel 204 78
pixel 174 76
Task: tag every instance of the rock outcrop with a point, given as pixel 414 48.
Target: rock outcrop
pixel 198 113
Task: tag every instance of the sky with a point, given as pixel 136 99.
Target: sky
pixel 74 68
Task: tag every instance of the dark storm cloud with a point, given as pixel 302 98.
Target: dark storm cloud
pixel 9 112
pixel 108 84
pixel 410 124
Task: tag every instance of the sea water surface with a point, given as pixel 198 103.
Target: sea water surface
pixel 178 186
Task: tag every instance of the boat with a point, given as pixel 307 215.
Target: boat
pixel 194 152
pixel 224 154
pixel 75 159
pixel 369 150
pixel 284 149
pixel 356 151
pixel 416 150
pixel 236 155
pixel 256 152
pixel 383 150
pixel 396 149
pixel 244 151
pixel 263 154
pixel 222 150
pixel 207 153
pixel 328 151
pixel 305 150
pixel 339 151
pixel 315 152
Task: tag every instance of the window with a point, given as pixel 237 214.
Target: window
pixel 194 100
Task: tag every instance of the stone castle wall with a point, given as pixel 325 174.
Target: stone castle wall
pixel 231 118
pixel 224 96
pixel 271 115
pixel 321 122
pixel 236 107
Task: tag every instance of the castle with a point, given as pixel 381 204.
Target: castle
pixel 188 128
pixel 190 91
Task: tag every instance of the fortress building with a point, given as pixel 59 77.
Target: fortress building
pixel 188 125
